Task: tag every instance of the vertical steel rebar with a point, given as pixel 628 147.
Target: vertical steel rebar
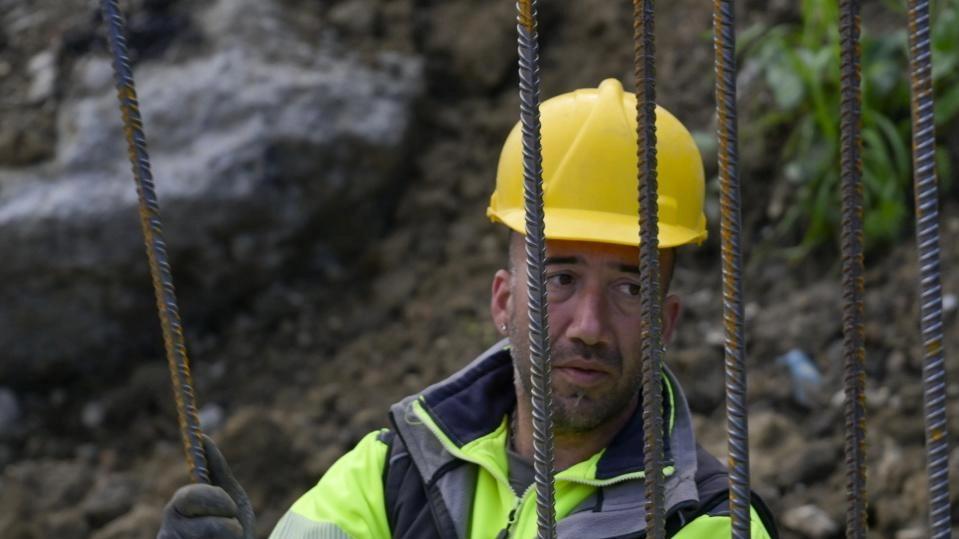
pixel 156 249
pixel 926 193
pixel 854 348
pixel 724 42
pixel 651 329
pixel 528 48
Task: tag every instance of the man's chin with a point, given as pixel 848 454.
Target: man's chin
pixel 575 414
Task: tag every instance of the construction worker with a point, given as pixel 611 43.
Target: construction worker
pixel 457 461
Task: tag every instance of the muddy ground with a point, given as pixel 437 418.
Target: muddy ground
pixel 295 375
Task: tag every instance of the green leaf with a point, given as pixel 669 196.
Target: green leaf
pixel 944 168
pixel 946 105
pixel 883 173
pixel 786 86
pixel 899 147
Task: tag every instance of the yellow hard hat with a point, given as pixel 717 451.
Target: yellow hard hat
pixel 590 172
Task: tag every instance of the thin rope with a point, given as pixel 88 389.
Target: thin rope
pixel 651 328
pixel 853 289
pixel 528 48
pixel 156 249
pixel 724 38
pixel 926 193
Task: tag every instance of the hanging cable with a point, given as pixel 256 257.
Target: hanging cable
pixel 724 44
pixel 528 47
pixel 854 348
pixel 651 329
pixel 155 246
pixel 930 281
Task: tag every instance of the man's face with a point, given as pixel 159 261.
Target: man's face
pixel 594 313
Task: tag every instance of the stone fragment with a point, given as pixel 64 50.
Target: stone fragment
pixel 111 496
pixel 211 417
pixel 912 533
pixel 43 74
pixel 810 521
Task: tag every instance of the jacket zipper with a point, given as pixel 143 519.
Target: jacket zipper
pixel 504 534
pixel 511 519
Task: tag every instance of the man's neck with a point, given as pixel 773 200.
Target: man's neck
pixel 569 447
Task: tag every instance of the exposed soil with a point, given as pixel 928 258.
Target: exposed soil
pixel 307 367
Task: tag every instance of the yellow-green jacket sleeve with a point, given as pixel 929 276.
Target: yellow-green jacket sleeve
pixel 347 503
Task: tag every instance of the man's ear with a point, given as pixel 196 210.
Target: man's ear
pixel 672 308
pixel 500 297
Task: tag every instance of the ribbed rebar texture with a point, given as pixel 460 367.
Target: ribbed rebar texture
pixel 155 247
pixel 854 347
pixel 724 43
pixel 535 255
pixel 930 281
pixel 651 330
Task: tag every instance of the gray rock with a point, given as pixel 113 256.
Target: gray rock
pixel 912 533
pixel 43 75
pixel 810 521
pixel 949 303
pixel 111 496
pixel 266 164
pixel 91 76
pixel 92 415
pixel 211 417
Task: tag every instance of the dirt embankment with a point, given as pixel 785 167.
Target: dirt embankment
pixel 296 374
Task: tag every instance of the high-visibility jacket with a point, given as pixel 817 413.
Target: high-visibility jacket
pixel 442 472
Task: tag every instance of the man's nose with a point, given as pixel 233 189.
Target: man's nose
pixel 589 323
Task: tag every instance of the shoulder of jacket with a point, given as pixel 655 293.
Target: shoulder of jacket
pixel 386 436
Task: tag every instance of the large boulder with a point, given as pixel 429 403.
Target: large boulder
pixel 271 156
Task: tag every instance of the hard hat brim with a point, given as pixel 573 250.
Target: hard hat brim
pixel 600 227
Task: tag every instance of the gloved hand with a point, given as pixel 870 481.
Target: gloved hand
pixel 220 510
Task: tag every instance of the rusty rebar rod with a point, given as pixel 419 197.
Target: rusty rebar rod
pixel 724 42
pixel 926 193
pixel 528 48
pixel 651 324
pixel 155 246
pixel 853 289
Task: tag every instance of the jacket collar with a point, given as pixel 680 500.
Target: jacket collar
pixel 472 403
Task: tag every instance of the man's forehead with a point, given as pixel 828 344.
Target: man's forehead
pixel 583 250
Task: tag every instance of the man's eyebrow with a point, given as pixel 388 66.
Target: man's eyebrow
pixel 626 268
pixel 571 260
pixel 562 260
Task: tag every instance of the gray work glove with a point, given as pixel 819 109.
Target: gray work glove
pixel 220 510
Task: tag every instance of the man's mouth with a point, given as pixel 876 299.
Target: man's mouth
pixel 581 373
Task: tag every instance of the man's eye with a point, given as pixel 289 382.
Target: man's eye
pixel 630 289
pixel 559 279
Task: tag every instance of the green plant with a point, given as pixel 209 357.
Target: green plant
pixel 800 67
